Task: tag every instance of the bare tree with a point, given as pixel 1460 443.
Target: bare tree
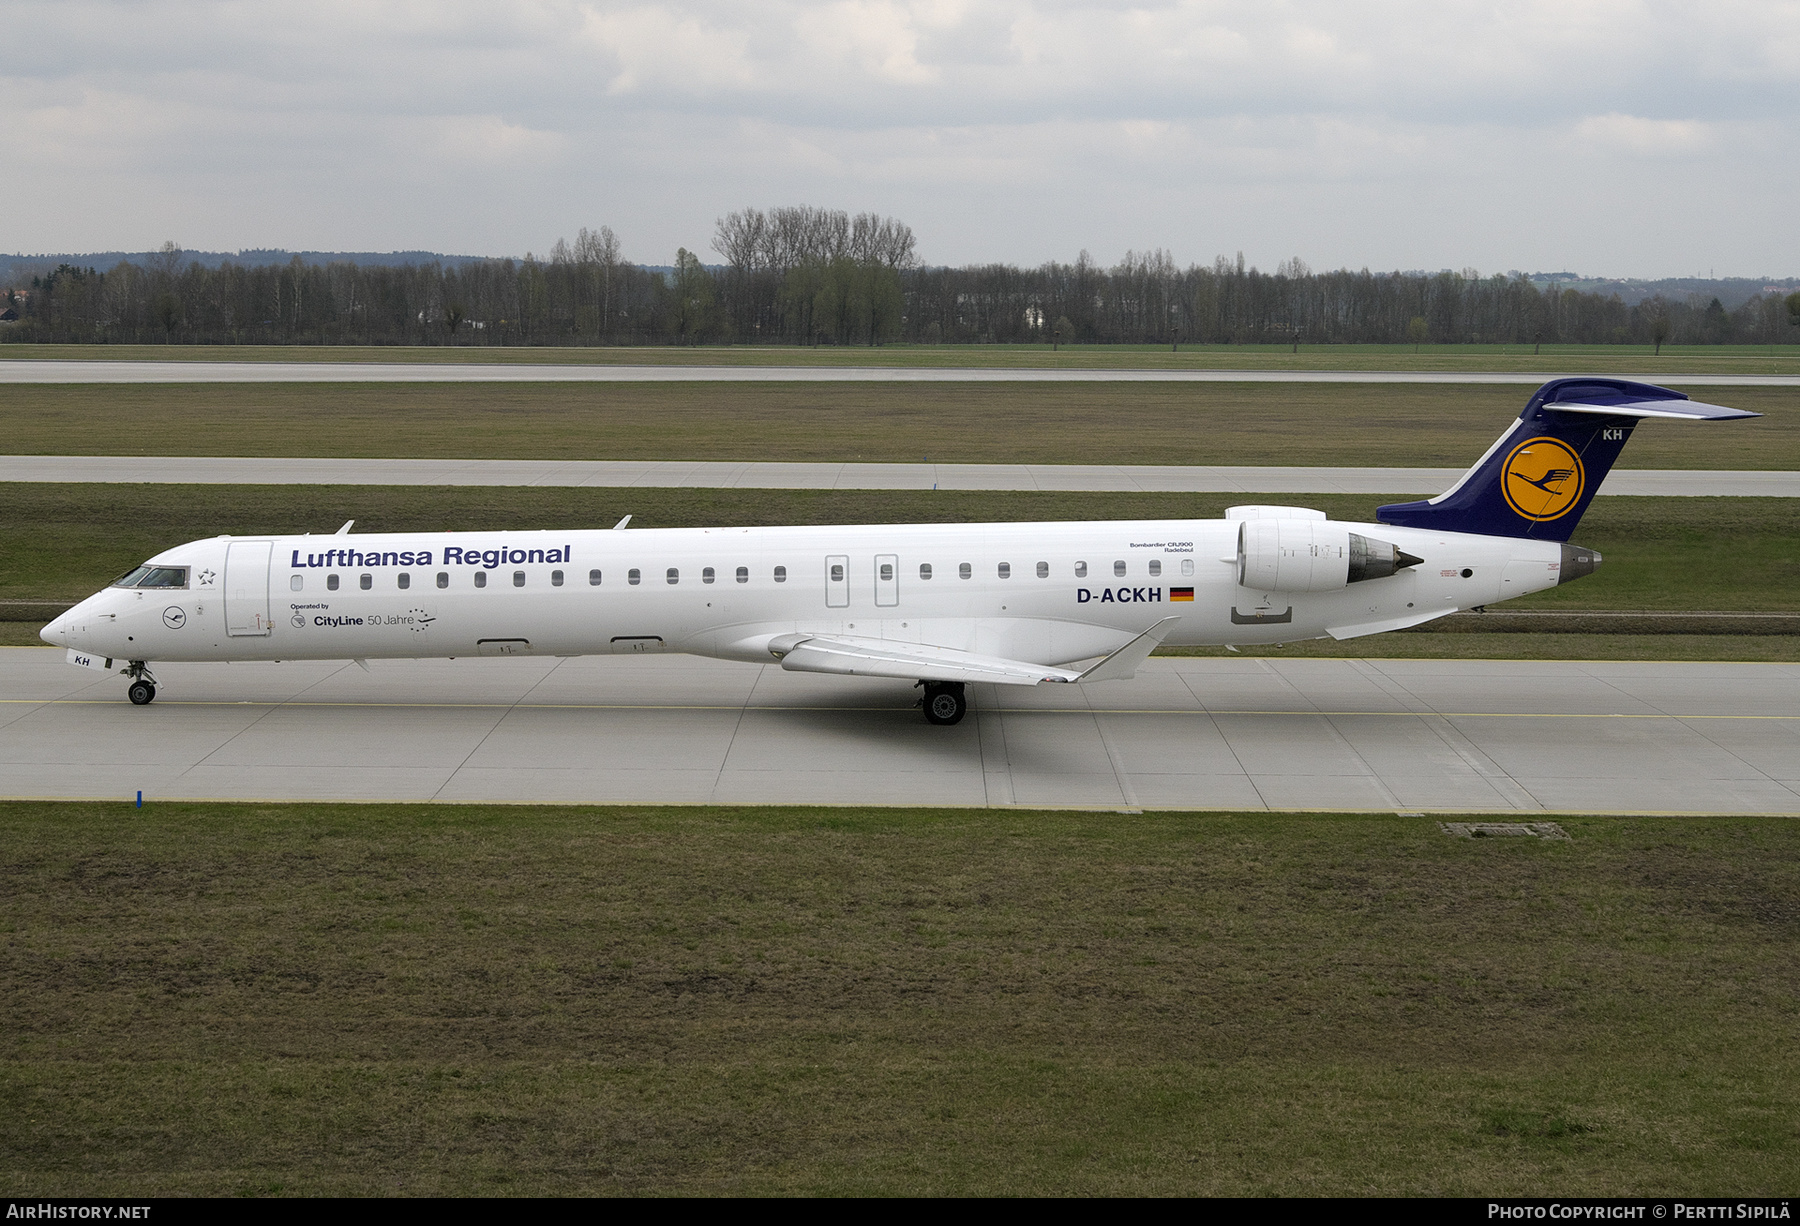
pixel 743 239
pixel 597 261
pixel 881 240
pixel 692 292
pixel 166 263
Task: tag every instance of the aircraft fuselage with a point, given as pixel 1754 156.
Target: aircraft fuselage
pixel 1042 592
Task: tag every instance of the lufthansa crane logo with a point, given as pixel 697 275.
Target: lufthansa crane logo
pixel 1542 479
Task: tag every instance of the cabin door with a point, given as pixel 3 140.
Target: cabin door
pixel 887 580
pixel 247 588
pixel 837 581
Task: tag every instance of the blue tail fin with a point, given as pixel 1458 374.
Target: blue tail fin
pixel 1540 476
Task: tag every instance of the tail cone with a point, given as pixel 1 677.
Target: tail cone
pixel 1371 559
pixel 1576 562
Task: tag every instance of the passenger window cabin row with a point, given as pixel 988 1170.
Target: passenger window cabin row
pixel 1003 570
pixel 635 576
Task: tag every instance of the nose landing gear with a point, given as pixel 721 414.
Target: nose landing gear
pixel 944 702
pixel 142 690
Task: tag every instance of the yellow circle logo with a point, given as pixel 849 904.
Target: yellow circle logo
pixel 1542 478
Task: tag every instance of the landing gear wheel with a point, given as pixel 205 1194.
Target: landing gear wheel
pixel 944 702
pixel 141 693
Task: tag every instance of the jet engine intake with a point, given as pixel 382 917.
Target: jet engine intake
pixel 1299 555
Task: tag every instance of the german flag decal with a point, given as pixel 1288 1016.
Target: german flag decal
pixel 1181 593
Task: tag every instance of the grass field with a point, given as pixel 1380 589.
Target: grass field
pixel 65 541
pixel 1566 359
pixel 293 1000
pixel 1093 423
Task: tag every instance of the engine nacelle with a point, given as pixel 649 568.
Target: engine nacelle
pixel 1304 555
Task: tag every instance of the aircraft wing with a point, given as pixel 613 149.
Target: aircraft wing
pixel 1382 627
pixel 860 657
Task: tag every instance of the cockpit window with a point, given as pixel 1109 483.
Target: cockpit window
pixel 155 576
pixel 165 576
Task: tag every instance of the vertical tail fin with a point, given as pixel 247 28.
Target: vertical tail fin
pixel 1538 477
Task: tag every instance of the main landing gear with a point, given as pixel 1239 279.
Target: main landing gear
pixel 142 690
pixel 944 702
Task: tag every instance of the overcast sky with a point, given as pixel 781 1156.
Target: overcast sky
pixel 1612 137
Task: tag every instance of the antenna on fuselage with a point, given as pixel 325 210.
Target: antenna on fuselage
pixel 621 523
pixel 345 530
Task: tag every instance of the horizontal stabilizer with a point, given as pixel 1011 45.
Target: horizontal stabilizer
pixel 1678 410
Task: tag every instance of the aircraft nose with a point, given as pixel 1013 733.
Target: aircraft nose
pixel 72 628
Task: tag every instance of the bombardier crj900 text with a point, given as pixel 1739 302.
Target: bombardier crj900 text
pixel 941 605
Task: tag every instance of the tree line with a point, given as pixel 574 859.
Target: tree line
pixel 800 275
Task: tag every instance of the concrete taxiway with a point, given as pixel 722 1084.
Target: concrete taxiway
pixel 34 371
pixel 1197 479
pixel 1230 733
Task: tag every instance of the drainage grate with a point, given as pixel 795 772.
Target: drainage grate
pixel 1503 830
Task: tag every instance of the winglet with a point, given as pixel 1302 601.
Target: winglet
pixel 621 523
pixel 345 530
pixel 1122 664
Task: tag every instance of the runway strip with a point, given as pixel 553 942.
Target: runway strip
pixel 34 371
pixel 217 470
pixel 1384 735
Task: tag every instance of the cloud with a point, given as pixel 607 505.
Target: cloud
pixel 1635 134
pixel 678 52
pixel 490 142
pixel 1003 129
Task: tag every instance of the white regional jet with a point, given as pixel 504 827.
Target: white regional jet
pixel 938 604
